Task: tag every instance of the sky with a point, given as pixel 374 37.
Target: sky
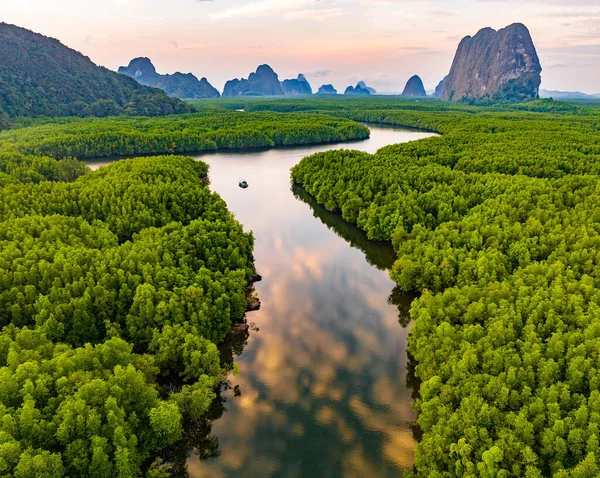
pixel 382 42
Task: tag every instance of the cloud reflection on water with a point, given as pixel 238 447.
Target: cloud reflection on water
pixel 324 381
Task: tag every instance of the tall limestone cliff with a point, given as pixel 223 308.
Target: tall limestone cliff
pixel 178 85
pixel 496 65
pixel 299 86
pixel 414 87
pixel 264 82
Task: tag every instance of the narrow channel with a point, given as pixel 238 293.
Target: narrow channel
pixel 322 388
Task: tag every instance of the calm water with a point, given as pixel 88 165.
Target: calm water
pixel 322 389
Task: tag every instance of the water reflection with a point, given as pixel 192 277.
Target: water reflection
pixel 198 439
pixel 380 255
pixel 322 386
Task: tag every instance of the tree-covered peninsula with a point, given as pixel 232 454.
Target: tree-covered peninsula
pixel 496 224
pixel 115 287
pixel 209 130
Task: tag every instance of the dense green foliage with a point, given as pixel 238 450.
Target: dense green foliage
pixel 211 130
pixel 115 286
pixel 16 168
pixel 41 77
pixel 496 222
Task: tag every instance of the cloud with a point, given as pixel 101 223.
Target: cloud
pixel 319 73
pixel 571 14
pixel 555 64
pixel 442 13
pixel 261 8
pixel 315 14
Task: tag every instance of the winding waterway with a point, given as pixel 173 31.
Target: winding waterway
pixel 322 389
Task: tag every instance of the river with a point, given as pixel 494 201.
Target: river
pixel 322 388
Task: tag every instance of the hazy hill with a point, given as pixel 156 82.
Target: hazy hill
pixel 566 95
pixel 327 90
pixel 298 86
pixel 360 89
pixel 39 76
pixel 414 87
pixel 264 82
pixel 177 85
pixel 364 86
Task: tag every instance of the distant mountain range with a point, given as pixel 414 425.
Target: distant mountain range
pixel 492 65
pixel 567 95
pixel 39 76
pixel 263 82
pixel 178 85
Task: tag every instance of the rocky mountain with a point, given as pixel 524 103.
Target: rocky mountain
pixel 177 85
pixel 327 90
pixel 496 65
pixel 299 86
pixel 363 85
pixel 439 89
pixel 39 76
pixel 264 82
pixel 414 87
pixel 357 90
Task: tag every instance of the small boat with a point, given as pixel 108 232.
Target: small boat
pixel 243 183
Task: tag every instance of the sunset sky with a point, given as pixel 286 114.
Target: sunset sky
pixel 383 42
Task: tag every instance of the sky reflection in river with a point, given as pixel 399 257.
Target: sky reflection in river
pixel 323 383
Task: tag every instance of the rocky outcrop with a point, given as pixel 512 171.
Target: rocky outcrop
pixel 414 87
pixel 357 90
pixel 327 90
pixel 264 82
pixel 299 86
pixel 495 65
pixel 439 89
pixel 364 86
pixel 178 85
